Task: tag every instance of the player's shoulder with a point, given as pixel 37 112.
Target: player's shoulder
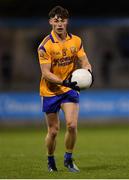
pixel 76 38
pixel 45 43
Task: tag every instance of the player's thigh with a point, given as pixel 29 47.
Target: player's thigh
pixel 71 111
pixel 52 120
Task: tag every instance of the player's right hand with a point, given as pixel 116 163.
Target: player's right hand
pixel 72 85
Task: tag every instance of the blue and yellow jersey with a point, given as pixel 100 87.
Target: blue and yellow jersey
pixel 63 57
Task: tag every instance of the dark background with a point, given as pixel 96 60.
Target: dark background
pixel 102 25
pixel 87 8
pixel 103 145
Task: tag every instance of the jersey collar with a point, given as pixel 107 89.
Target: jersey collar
pixel 54 38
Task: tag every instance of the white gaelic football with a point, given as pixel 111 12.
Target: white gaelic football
pixel 83 78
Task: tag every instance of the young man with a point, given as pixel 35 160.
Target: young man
pixel 59 55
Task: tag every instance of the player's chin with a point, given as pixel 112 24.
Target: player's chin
pixel 60 31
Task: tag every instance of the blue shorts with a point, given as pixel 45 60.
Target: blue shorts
pixel 53 104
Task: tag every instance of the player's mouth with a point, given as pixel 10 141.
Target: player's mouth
pixel 60 29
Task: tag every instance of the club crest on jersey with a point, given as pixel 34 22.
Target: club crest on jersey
pixel 73 50
pixel 42 53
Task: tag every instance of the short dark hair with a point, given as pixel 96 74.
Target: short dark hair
pixel 60 12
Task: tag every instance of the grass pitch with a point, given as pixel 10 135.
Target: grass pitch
pixel 101 152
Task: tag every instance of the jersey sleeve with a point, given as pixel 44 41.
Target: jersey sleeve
pixel 44 54
pixel 81 51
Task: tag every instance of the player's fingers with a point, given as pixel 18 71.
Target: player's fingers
pixel 73 83
pixel 77 88
pixel 92 79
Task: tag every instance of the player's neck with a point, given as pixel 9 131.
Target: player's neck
pixel 61 37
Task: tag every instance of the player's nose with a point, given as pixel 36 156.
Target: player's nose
pixel 60 23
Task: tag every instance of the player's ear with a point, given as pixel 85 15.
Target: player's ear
pixel 66 22
pixel 50 21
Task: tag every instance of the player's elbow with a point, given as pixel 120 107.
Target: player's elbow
pixel 45 69
pixel 45 74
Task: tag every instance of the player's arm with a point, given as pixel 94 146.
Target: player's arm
pixel 82 57
pixel 48 75
pixel 45 65
pixel 84 63
pixel 83 60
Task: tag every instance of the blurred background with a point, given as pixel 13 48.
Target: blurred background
pixel 103 145
pixel 104 29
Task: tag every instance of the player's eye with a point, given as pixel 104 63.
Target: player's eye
pixel 64 21
pixel 55 20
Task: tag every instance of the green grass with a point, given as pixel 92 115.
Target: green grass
pixel 101 152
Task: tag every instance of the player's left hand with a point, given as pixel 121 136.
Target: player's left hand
pixel 72 85
pixel 92 77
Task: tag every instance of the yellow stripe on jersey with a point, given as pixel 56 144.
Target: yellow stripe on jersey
pixel 63 57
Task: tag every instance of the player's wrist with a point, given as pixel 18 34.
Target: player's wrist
pixel 66 82
pixel 89 68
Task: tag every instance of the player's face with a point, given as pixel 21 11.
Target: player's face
pixel 59 25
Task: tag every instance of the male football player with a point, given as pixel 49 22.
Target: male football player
pixel 59 55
